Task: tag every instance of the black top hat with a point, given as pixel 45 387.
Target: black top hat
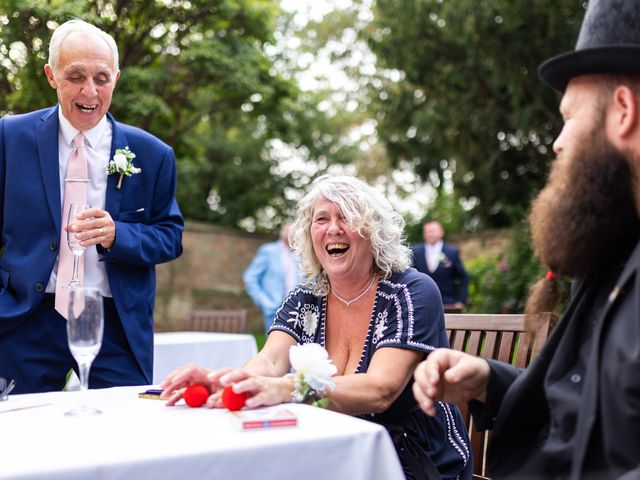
pixel 609 42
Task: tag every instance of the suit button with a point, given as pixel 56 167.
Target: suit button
pixel 53 246
pixel 39 287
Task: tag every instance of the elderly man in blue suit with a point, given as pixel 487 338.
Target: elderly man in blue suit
pixel 134 222
pixel 273 272
pixel 442 263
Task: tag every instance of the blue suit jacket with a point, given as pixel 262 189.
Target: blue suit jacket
pixel 450 276
pixel 148 222
pixel 264 279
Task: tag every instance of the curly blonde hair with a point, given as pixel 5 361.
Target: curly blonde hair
pixel 366 211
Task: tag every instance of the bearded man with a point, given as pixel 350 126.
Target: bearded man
pixel 575 412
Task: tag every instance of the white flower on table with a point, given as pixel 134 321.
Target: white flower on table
pixel 312 364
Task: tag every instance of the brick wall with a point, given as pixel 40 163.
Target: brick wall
pixel 209 272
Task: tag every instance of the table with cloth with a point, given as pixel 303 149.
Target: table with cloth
pixel 144 439
pixel 212 350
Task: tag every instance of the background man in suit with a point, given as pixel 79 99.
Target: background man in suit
pixel 574 413
pixel 442 263
pixel 272 274
pixel 131 227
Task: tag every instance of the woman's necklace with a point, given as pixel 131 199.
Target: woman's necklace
pixel 357 297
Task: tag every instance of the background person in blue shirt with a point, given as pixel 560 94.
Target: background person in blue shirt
pixel 273 272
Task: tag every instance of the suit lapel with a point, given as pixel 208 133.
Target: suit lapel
pixel 114 195
pixel 421 258
pixel 47 133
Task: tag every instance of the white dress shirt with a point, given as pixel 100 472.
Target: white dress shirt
pixel 98 147
pixel 433 254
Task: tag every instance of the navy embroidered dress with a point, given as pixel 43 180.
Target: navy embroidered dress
pixel 407 313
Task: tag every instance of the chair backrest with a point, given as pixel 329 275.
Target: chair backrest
pixel 228 321
pixel 514 339
pixel 451 308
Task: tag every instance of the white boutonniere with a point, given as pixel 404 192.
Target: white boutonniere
pixel 122 163
pixel 444 260
pixel 312 372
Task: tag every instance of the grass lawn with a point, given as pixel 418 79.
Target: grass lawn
pixel 260 339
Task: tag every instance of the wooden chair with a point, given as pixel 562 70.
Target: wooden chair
pixel 450 308
pixel 227 321
pixel 515 339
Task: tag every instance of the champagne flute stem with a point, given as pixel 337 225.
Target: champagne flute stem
pixel 74 275
pixel 83 368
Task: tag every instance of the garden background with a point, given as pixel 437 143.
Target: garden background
pixel 436 102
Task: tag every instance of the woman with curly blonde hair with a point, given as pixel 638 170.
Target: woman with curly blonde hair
pixel 376 317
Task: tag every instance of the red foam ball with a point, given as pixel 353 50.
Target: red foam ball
pixel 232 400
pixel 196 395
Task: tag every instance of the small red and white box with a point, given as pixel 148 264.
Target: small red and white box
pixel 266 417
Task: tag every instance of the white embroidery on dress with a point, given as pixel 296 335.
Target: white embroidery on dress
pixel 401 296
pixel 381 326
pixel 397 314
pixel 295 317
pixel 458 444
pixel 310 321
pixel 304 316
pixel 286 328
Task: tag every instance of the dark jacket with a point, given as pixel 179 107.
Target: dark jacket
pixel 607 430
pixel 450 275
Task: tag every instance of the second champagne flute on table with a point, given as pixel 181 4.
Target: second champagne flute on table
pixel 74 243
pixel 85 328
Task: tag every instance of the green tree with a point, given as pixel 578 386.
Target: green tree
pixel 457 90
pixel 500 283
pixel 196 74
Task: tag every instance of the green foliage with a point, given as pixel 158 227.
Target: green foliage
pixel 460 93
pixel 261 339
pixel 500 284
pixel 445 209
pixel 196 74
pixel 455 96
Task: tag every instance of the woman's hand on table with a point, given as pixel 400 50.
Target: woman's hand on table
pixel 177 382
pixel 261 390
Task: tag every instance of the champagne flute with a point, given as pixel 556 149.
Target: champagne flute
pixel 74 243
pixel 85 327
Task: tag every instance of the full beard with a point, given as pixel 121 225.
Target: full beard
pixel 586 214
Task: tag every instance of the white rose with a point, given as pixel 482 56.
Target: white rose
pixel 312 361
pixel 121 161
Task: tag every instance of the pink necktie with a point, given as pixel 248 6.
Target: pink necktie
pixel 75 191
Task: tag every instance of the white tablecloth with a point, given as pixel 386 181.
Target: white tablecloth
pixel 211 350
pixel 142 439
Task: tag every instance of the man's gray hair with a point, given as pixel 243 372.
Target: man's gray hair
pixel 366 211
pixel 74 26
